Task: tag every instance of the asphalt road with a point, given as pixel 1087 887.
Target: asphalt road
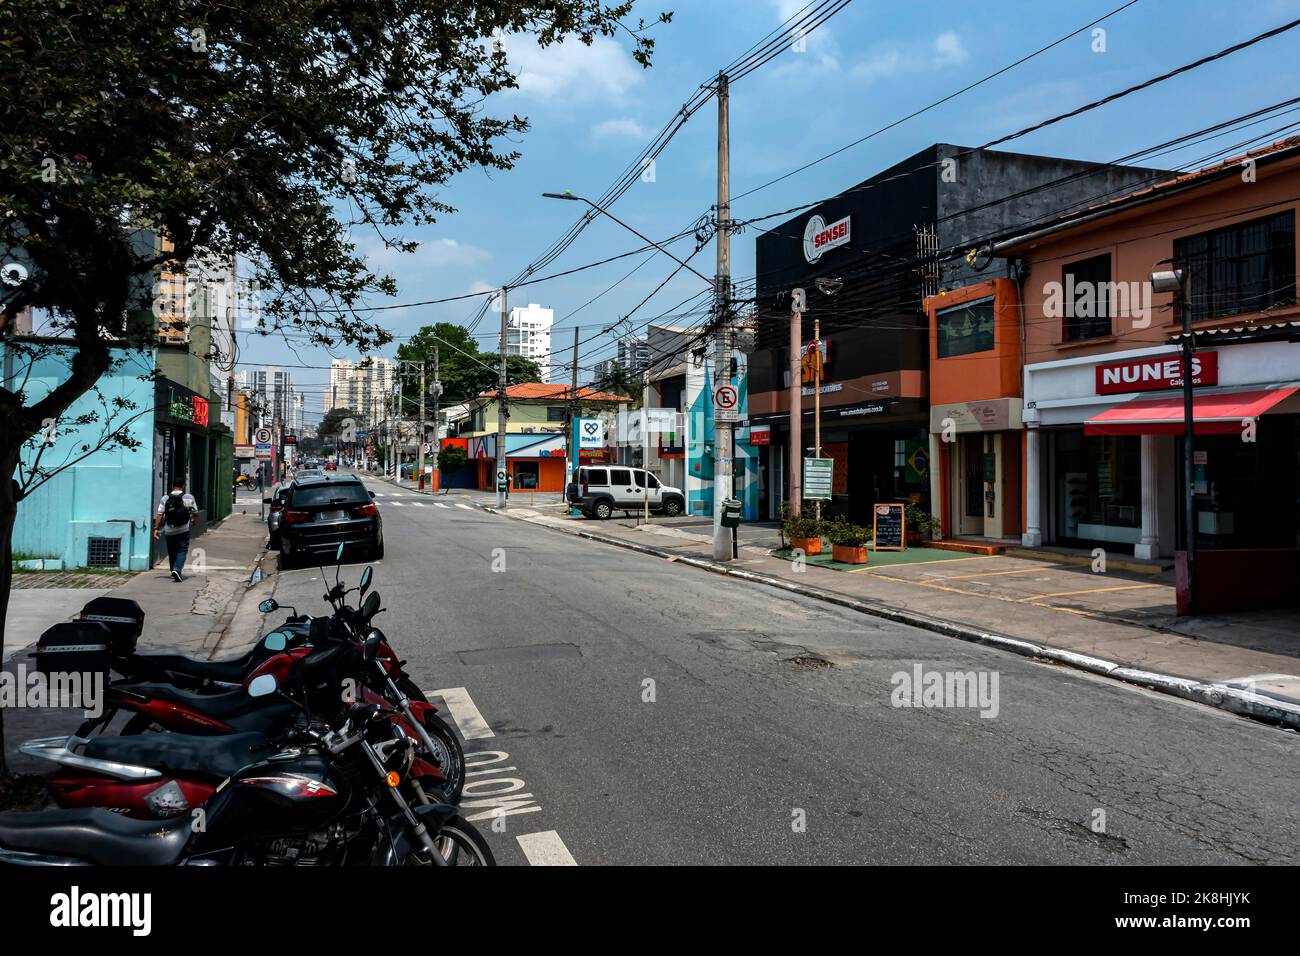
pixel 644 712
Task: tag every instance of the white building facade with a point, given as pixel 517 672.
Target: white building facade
pixel 528 334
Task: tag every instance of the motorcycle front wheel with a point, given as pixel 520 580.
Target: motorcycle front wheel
pixel 449 755
pixel 460 844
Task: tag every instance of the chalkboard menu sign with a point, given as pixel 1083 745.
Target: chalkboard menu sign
pixel 890 533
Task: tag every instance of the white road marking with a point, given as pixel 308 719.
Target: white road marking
pixel 461 706
pixel 395 504
pixel 441 505
pixel 417 504
pixel 545 849
pixel 466 507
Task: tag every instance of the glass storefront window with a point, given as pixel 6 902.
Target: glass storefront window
pixel 1098 488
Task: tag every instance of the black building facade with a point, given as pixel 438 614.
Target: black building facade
pixel 878 249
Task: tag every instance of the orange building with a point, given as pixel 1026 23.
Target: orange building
pixel 976 427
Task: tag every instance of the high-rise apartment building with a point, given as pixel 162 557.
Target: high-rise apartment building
pixel 361 386
pixel 528 333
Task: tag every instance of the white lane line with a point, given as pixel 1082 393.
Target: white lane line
pixel 439 504
pixel 463 711
pixel 417 504
pixel 545 849
pixel 466 507
pixel 394 504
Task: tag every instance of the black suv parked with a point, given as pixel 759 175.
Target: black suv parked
pixel 319 513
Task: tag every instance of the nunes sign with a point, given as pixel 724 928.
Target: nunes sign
pixel 1146 375
pixel 819 236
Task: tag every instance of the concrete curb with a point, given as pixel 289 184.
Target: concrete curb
pixel 1235 700
pixel 212 643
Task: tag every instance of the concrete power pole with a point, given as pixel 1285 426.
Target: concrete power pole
pixel 420 479
pixel 501 409
pixel 573 459
pixel 436 390
pixel 723 435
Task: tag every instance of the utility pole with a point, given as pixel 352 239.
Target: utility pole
pixel 436 390
pixel 501 478
pixel 573 458
pixel 722 431
pixel 816 359
pixel 1189 440
pixel 798 303
pixel 420 483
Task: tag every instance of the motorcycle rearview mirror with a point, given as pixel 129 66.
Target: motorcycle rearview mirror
pixel 372 645
pixel 275 641
pixel 264 685
pixel 269 605
pixel 366 575
pixel 370 606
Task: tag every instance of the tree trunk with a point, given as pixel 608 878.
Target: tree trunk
pixel 8 513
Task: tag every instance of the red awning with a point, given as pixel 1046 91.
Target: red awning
pixel 1215 414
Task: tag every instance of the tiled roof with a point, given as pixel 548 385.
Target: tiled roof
pixel 547 391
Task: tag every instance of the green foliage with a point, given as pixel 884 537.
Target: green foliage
pixel 331 421
pixel 621 381
pixel 805 524
pixel 451 458
pixel 919 519
pixel 465 372
pixel 846 534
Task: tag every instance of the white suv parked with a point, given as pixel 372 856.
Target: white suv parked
pixel 600 490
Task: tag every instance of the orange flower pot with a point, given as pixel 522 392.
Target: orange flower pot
pixel 807 545
pixel 848 555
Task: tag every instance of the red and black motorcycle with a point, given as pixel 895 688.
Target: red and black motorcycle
pixel 331 797
pixel 309 659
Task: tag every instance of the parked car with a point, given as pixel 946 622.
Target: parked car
pixel 600 490
pixel 321 513
pixel 275 503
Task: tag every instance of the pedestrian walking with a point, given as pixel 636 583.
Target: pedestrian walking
pixel 176 515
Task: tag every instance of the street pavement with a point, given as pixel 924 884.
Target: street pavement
pixel 621 709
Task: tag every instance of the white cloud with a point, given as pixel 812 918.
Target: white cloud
pixel 431 254
pixel 624 128
pixel 949 49
pixel 945 50
pixel 572 70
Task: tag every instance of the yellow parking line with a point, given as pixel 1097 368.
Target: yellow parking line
pixel 985 574
pixel 1123 587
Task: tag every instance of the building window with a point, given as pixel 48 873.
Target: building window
pixel 1087 298
pixel 1245 267
pixel 556 413
pixel 965 329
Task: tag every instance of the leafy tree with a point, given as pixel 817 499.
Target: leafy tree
pixel 331 422
pixel 464 370
pixel 451 458
pixel 621 381
pixel 146 134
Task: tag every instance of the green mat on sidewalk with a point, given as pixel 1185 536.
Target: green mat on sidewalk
pixel 880 558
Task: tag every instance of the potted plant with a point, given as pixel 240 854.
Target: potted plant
pixel 849 541
pixel 803 529
pixel 920 524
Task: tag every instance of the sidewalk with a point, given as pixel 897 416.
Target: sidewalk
pixel 1115 623
pixel 211 614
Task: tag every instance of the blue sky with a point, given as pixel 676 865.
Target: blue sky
pixel 593 109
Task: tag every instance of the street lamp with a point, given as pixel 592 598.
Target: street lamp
pixel 605 212
pixel 1174 280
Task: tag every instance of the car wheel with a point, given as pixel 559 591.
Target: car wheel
pixel 273 543
pixel 377 552
pixel 672 508
pixel 602 510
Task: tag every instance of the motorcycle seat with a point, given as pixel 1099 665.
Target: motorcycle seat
pixel 97 836
pixel 218 706
pixel 228 671
pixel 218 757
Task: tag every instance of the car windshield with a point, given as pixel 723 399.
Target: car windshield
pixel 331 493
pixel 310 473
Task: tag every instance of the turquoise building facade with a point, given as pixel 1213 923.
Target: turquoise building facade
pixel 97 512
